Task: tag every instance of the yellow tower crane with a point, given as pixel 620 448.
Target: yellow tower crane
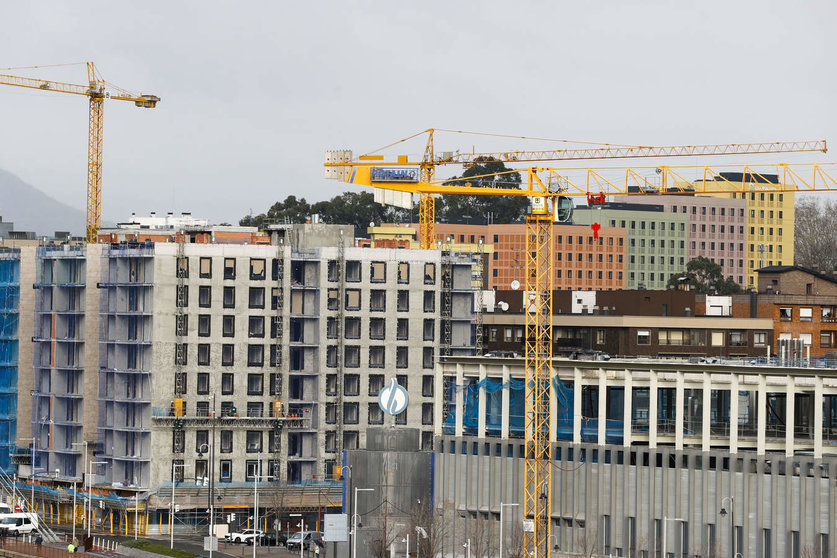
pixel 544 187
pixel 97 90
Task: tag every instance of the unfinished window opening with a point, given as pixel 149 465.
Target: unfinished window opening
pixel 331 328
pixel 183 267
pixel 256 297
pixel 376 384
pixel 402 329
pixel 331 356
pixel 401 359
pixel 403 272
pixel 203 354
pixel 403 301
pixel 256 326
pixel 255 355
pixel 377 272
pixel 427 385
pixel 376 357
pixel 227 355
pixel 429 301
pixel 352 299
pixel 331 384
pixel 257 269
pixel 333 301
pixel 351 356
pixel 331 413
pixel 333 271
pixel 228 326
pixel 350 413
pixel 351 384
pixel 377 300
pixel 352 328
pixel 275 296
pixel 429 329
pixel 377 327
pixel 229 297
pixel 429 274
pixel 353 271
pixel 376 415
pixel 229 268
pixel 205 271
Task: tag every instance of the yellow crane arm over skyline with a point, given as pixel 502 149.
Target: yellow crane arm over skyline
pixel 97 90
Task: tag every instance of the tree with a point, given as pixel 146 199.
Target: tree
pixel 705 277
pixel 502 209
pixel 292 210
pixel 815 237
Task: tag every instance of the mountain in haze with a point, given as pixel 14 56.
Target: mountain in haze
pixel 32 210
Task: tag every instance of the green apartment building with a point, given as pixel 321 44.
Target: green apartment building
pixel 656 240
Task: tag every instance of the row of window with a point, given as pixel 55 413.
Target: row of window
pixel 579 274
pixel 374 415
pixel 351 384
pixel 377 328
pixel 698 337
pixel 377 356
pixel 252 441
pixel 255 354
pixel 661 260
pixel 653 243
pixel 377 272
pixel 255 297
pixel 255 325
pixel 559 256
pixel 712 209
pixel 722 230
pixel 590 240
pixel 255 383
pixel 257 268
pixel 806 313
pixel 378 300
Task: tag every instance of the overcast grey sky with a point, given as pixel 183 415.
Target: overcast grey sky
pixel 253 93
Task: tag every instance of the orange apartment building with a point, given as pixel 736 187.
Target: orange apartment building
pixel 582 262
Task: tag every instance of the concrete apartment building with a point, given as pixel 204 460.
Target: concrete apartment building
pixel 271 347
pixel 716 227
pixel 656 240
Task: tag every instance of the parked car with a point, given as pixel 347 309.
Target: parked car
pixel 306 538
pixel 246 536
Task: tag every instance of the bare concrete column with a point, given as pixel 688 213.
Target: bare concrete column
pixel 482 396
pixel 602 422
pixel 627 411
pixel 790 399
pixel 576 405
pixel 679 397
pixel 733 414
pixel 818 401
pixel 506 405
pixel 706 434
pixel 652 409
pixel 761 414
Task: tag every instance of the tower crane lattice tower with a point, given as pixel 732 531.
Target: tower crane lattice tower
pixel 544 187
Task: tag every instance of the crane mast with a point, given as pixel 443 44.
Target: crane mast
pixel 546 187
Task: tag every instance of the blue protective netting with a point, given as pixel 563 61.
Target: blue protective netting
pixel 493 393
pixel 9 304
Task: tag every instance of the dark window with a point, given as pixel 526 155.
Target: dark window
pixel 204 296
pixel 402 330
pixel 352 328
pixel 376 415
pixel 352 356
pixel 377 300
pixel 203 354
pixel 225 470
pixel 427 386
pixel 229 268
pixel 401 357
pixel 402 303
pixel 226 441
pixel 256 297
pixel 377 328
pixel 429 301
pixel 229 297
pixel 227 384
pixel 228 326
pixel 203 325
pixel 427 357
pixel 275 383
pixel 255 355
pixel 203 383
pixel 350 413
pixel 376 384
pixel 429 329
pixel 256 326
pixel 255 384
pixel 227 355
pixel 376 357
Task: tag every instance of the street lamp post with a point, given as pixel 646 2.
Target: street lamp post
pixel 89 490
pixel 666 519
pixel 406 539
pixel 355 518
pixel 301 531
pixel 211 451
pixel 174 466
pixel 501 525
pixel 467 547
pixel 84 461
pixel 723 513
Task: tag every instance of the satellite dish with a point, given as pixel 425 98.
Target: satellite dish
pixel 504 306
pixel 515 284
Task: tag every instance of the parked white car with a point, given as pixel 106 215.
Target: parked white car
pixel 246 536
pixel 14 524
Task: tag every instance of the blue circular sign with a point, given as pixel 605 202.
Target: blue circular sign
pixel 393 398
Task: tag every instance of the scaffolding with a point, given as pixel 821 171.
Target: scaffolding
pixel 447 298
pixel 341 343
pixel 477 283
pixel 9 316
pixel 277 389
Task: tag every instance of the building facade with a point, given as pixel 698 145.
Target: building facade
pixel 656 240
